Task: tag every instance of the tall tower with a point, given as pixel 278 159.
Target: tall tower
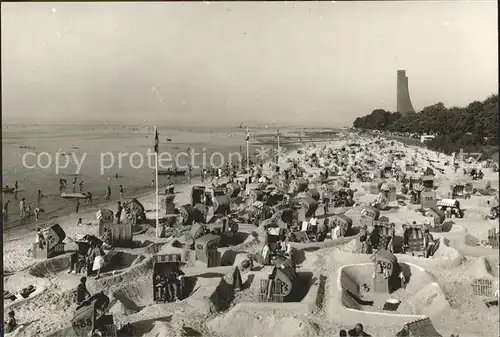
pixel 403 94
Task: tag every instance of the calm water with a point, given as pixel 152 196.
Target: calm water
pixel 91 142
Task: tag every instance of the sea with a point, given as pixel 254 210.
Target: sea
pixel 38 156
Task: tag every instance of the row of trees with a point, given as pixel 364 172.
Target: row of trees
pixel 473 128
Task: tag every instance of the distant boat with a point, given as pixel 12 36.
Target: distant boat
pixel 73 196
pixel 8 189
pixel 171 172
pixel 169 139
pixel 74 147
pixel 27 147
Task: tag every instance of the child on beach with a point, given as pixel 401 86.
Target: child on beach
pixel 37 212
pixel 121 191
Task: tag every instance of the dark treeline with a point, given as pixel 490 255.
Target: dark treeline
pixel 473 128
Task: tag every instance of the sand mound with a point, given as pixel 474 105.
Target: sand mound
pixel 241 323
pixel 430 301
pixel 159 329
pixel 484 268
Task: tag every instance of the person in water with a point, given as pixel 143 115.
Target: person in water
pixel 39 197
pixel 6 210
pixel 81 186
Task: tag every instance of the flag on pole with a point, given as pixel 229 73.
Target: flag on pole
pixel 157 141
pixel 248 136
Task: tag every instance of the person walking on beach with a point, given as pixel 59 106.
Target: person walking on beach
pixel 89 198
pixel 39 197
pixel 119 212
pixel 121 191
pixel 75 178
pixel 16 186
pixel 81 186
pixel 153 183
pixel 6 210
pixel 77 205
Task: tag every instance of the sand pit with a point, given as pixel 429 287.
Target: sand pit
pixel 48 268
pixel 352 277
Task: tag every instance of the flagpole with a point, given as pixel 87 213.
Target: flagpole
pixel 278 159
pixel 156 185
pixel 248 160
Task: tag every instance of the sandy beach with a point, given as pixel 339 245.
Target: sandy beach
pixel 50 308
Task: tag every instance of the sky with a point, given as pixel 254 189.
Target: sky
pixel 295 63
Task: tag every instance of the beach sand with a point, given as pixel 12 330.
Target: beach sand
pixel 52 309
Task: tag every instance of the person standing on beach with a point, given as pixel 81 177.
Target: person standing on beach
pixel 74 182
pixel 81 186
pixel 119 212
pixel 28 212
pixel 16 186
pixel 189 174
pixel 202 175
pixel 6 210
pixel 107 196
pixel 97 254
pixel 39 197
pixel 153 183
pixel 121 191
pixel 77 205
pixel 89 198
pixel 22 208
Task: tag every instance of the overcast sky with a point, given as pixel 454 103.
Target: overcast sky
pixel 319 63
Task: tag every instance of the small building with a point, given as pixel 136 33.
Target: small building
pixel 166 268
pixel 382 235
pixel 105 217
pixel 386 272
pixel 206 250
pixel 53 244
pixel 344 222
pixel 426 138
pixel 419 328
pixel 197 195
pixel 368 215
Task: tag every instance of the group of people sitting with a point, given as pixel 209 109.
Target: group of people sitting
pixel 169 285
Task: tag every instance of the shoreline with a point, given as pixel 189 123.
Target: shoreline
pixel 19 231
